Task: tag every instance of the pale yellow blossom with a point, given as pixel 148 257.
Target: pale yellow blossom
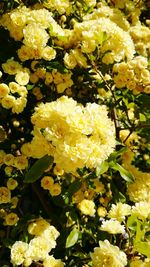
pixel 108 255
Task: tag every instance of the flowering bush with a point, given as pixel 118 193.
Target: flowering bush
pixel 74 133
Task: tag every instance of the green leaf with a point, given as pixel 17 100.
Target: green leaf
pixel 118 196
pixel 142 117
pixel 143 248
pixel 126 175
pixel 139 232
pixel 132 222
pixel 102 168
pixel 116 154
pixel 72 238
pixel 30 86
pixel 38 168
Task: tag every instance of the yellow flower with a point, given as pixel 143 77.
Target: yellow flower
pixel 4 90
pixel 27 262
pixel 19 16
pixel 8 170
pixel 50 261
pixel 108 255
pixel 61 7
pixel 99 187
pixel 79 57
pixel 58 171
pixel 55 189
pixel 24 53
pixel 34 78
pixel 119 211
pixel 41 72
pixel 12 184
pixel 11 219
pixel 35 36
pixel 14 202
pixel 18 251
pixel 87 207
pixel 8 101
pixel 22 77
pixel 47 182
pixel 70 61
pixel 101 211
pixel 21 162
pixel 78 196
pixel 141 209
pixel 5 195
pixel 39 247
pixel 48 53
pixel 38 226
pixel 2 154
pixel 80 136
pixel 112 227
pixel 50 234
pixel 19 105
pixel 11 67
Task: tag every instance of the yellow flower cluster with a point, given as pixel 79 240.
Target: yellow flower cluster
pixel 29 26
pixel 61 6
pixel 89 33
pixel 10 218
pixel 47 183
pixel 62 81
pixel 5 195
pixel 74 135
pixel 108 255
pixel 106 29
pixel 141 37
pixel 139 190
pixel 133 75
pixel 20 162
pixel 44 241
pixel 7 94
pixel 114 14
pixel 88 193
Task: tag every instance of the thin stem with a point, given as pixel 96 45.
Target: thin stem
pixel 114 112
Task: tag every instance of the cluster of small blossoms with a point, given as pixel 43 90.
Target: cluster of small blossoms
pixel 29 26
pixel 62 81
pixel 9 218
pixel 74 135
pixel 115 218
pixel 64 6
pixel 132 9
pixel 47 183
pixel 88 193
pixel 14 94
pixel 118 46
pixel 39 247
pixel 10 163
pixel 141 37
pixel 84 197
pixel 19 162
pixel 133 75
pixel 114 14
